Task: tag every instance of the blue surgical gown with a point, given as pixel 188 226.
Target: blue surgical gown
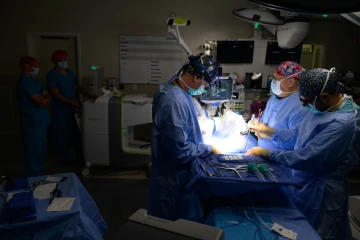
pixel 284 113
pixel 326 147
pixel 34 121
pixel 176 142
pixel 63 123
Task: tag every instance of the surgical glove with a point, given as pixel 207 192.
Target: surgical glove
pixel 214 150
pixel 258 151
pixel 250 123
pixel 263 130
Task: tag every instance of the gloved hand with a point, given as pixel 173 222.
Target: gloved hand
pixel 214 150
pixel 250 123
pixel 258 151
pixel 261 130
pixel 261 135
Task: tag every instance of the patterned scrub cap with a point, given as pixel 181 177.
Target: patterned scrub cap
pixel 312 81
pixel 288 69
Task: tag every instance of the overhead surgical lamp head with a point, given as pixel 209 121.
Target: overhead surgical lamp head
pixel 290 32
pixel 178 21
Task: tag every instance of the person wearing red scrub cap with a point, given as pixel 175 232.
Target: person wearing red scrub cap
pixel 64 88
pixel 34 119
pixel 283 110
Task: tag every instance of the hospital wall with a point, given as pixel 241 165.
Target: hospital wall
pixel 100 23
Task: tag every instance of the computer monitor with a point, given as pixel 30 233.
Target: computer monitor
pixel 277 55
pixel 235 51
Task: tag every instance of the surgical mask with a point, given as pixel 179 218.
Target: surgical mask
pixel 312 108
pixel 192 91
pixel 199 91
pixel 62 64
pixel 35 72
pixel 276 88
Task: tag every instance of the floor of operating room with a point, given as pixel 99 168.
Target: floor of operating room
pixel 117 193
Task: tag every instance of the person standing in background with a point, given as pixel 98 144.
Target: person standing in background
pixel 64 88
pixel 34 118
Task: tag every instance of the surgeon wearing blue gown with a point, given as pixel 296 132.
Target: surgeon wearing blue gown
pixel 64 87
pixel 283 110
pixel 176 138
pixel 326 147
pixel 34 118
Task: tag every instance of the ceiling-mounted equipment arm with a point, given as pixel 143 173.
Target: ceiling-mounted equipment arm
pixel 353 17
pixel 173 28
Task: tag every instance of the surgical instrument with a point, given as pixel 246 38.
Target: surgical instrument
pixel 237 167
pixel 205 171
pixel 247 139
pixel 55 193
pixel 253 168
pixel 234 170
pixel 264 169
pixel 259 116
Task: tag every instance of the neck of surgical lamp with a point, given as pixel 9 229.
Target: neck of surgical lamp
pixel 271 29
pixel 174 30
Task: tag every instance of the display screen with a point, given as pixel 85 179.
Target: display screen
pixel 235 51
pixel 277 55
pixel 220 91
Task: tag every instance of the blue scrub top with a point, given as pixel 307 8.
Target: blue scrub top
pixel 326 148
pixel 176 143
pixel 25 88
pixel 65 84
pixel 283 113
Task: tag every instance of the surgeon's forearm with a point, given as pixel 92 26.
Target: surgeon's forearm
pixel 39 100
pixel 189 152
pixel 285 136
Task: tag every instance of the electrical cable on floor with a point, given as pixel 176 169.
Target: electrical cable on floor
pixel 261 220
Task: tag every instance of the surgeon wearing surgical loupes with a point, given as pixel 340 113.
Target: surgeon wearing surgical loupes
pixel 176 138
pixel 326 147
pixel 283 110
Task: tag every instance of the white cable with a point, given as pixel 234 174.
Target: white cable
pixel 262 221
pixel 327 79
